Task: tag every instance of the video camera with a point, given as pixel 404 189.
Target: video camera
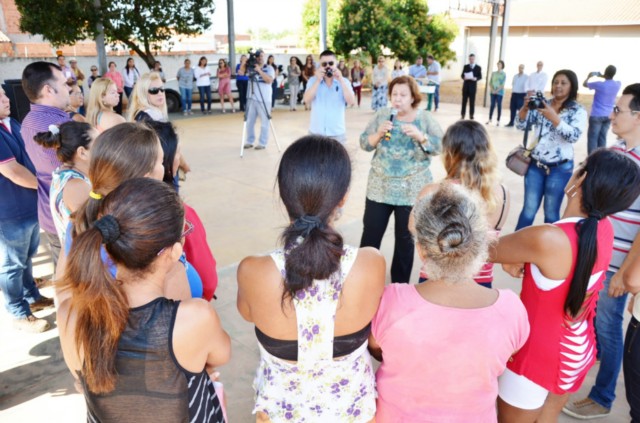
pixel 252 61
pixel 537 101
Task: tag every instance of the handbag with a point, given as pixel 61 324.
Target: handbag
pixel 519 159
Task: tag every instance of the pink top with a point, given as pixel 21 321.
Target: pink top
pixel 117 78
pixel 561 349
pixel 441 364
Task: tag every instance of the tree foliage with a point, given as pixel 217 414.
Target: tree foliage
pixel 141 25
pixel 311 23
pixel 401 26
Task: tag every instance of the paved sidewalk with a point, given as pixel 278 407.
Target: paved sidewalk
pixel 237 200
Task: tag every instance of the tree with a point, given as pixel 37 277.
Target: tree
pixel 141 25
pixel 311 23
pixel 402 26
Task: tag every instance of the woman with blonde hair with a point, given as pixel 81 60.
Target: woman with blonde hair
pixel 148 101
pixel 469 160
pixel 103 97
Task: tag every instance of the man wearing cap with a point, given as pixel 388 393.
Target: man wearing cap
pixel 19 230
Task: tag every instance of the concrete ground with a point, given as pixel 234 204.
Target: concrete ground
pixel 237 201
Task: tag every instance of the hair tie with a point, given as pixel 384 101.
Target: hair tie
pixel 306 224
pixel 109 228
pixel 54 129
pixel 596 214
pixel 95 195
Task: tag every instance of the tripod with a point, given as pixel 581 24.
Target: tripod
pixel 253 83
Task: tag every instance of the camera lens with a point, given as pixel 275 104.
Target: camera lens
pixel 329 73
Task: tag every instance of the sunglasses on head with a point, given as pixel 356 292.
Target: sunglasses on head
pixel 154 91
pixel 325 64
pixel 186 230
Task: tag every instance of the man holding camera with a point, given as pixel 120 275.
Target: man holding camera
pixel 603 101
pixel 329 93
pixel 261 76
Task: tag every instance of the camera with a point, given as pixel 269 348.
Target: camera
pixel 329 73
pixel 252 61
pixel 537 101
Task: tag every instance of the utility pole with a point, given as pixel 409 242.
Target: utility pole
pixel 505 29
pixel 495 11
pixel 102 54
pixel 231 35
pixel 323 25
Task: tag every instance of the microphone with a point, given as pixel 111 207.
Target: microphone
pixel 387 135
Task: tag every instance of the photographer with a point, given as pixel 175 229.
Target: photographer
pixel 556 125
pixel 603 101
pixel 261 76
pixel 328 93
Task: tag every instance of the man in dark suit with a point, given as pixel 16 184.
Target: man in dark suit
pixel 471 74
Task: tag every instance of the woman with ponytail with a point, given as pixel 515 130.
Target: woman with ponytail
pixel 469 160
pixel 312 301
pixel 138 355
pixel 70 185
pixel 563 266
pixel 444 343
pixel 126 151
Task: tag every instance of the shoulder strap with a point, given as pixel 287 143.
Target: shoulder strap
pixel 504 204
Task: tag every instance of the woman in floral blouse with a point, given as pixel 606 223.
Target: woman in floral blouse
pixel 380 81
pixel 312 301
pixel 557 125
pixel 399 169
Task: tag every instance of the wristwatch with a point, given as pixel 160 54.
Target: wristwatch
pixel 424 144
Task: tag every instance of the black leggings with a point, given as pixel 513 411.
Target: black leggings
pixel 376 218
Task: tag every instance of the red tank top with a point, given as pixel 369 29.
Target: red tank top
pixel 561 349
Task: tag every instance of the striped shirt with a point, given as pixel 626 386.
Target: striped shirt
pixel 44 159
pixel 626 224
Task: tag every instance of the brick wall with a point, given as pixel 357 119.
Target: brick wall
pixel 11 16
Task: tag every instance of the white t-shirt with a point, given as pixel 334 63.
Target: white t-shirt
pixel 203 76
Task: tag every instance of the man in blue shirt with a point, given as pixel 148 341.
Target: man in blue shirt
pixel 418 70
pixel 329 93
pixel 603 101
pixel 19 230
pixel 259 101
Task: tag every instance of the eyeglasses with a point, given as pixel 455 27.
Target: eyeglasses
pixel 94 70
pixel 617 111
pixel 186 230
pixel 329 63
pixel 76 94
pixel 154 91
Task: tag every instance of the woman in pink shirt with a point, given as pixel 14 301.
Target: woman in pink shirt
pixel 444 343
pixel 116 77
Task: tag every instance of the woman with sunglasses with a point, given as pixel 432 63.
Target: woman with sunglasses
pixel 224 84
pixel 562 266
pixel 203 82
pixel 380 81
pixel 76 101
pixel 138 355
pixel 148 100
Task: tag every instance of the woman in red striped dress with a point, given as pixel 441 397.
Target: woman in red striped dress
pixel 563 265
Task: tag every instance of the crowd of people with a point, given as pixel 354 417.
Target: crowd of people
pixel 134 273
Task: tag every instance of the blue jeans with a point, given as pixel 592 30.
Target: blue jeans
pixel 538 184
pixel 632 368
pixel 609 314
pixel 496 99
pixel 206 90
pixel 128 91
pixel 436 96
pixel 597 133
pixel 185 96
pixel 517 101
pixel 19 240
pixel 256 109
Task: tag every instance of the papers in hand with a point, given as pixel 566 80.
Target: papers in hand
pixel 469 76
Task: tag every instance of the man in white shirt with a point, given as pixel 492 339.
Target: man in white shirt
pixel 537 80
pixel 418 70
pixel 518 91
pixel 433 74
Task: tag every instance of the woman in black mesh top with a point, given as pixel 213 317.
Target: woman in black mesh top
pixel 138 355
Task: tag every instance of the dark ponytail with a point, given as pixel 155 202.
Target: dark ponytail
pixel 66 139
pixel 139 218
pixel 313 178
pixel 612 184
